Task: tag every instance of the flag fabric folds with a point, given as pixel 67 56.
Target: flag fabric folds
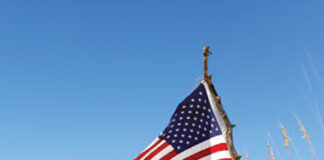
pixel 195 131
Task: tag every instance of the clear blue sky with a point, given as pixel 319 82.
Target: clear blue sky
pixel 98 80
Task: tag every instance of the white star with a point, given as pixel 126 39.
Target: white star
pixel 179 124
pixel 179 147
pixel 188 142
pixel 198 132
pixel 180 118
pixel 191 105
pixel 204 107
pixel 177 130
pixel 188 117
pixel 186 124
pixel 168 137
pixel 199 99
pixel 173 141
pixel 200 93
pixel 182 135
pixel 192 100
pixel 198 106
pixel 193 124
pixel 197 112
pixel 175 135
pixel 183 107
pixel 196 138
pixel 189 111
pixel 189 136
pixel 195 118
pixel 170 131
pixel 181 141
pixel 205 100
pixel 184 129
pixel 191 130
pixel 182 112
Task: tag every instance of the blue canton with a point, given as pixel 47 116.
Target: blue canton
pixel 192 123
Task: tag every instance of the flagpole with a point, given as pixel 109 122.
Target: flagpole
pixel 206 54
pixel 228 124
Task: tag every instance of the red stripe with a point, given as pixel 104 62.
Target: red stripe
pixel 208 151
pixel 169 155
pixel 158 150
pixel 149 149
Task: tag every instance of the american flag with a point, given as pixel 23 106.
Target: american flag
pixel 195 131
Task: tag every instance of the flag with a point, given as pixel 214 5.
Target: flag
pixel 195 131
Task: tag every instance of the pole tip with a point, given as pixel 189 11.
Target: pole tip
pixel 206 50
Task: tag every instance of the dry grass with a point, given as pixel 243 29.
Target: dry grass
pixel 247 157
pixel 270 151
pixel 285 135
pixel 304 132
pixel 307 137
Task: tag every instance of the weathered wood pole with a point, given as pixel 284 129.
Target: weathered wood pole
pixel 206 54
pixel 228 124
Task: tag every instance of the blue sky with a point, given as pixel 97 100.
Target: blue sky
pixel 98 80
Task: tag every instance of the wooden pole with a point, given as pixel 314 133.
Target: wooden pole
pixel 206 54
pixel 228 124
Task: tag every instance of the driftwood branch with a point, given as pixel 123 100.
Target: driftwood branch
pixel 229 126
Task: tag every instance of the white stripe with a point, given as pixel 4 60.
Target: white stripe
pixel 217 155
pixel 153 149
pixel 212 102
pixel 163 153
pixel 201 146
